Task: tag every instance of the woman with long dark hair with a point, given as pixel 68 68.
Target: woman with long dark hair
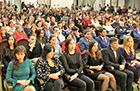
pixel 74 66
pixel 41 38
pixel 7 54
pixel 93 60
pixel 20 71
pixel 50 70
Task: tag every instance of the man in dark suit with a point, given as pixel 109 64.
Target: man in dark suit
pixel 84 41
pixel 102 39
pixel 112 56
pixel 34 49
pixel 47 31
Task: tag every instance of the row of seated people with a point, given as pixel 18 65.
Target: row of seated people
pixel 99 35
pixel 50 69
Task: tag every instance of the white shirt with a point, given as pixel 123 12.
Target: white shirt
pixel 115 53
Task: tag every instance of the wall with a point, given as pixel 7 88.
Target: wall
pixel 32 1
pixel 121 3
pixel 61 3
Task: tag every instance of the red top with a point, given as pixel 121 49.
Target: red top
pixel 20 36
pixel 76 47
pixel 86 23
pixel 0 38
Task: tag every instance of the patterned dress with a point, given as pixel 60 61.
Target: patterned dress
pixel 44 70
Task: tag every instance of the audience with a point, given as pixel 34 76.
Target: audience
pixel 81 24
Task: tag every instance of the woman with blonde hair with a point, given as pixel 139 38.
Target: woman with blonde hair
pixel 128 52
pixel 3 33
pixel 19 33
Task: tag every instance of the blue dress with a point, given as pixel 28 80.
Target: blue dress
pixel 25 71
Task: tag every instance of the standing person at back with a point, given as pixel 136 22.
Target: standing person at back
pixel 113 57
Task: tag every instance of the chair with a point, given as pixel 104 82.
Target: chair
pixel 3 43
pixel 8 86
pixel 23 42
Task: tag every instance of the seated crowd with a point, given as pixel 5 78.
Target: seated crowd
pixel 63 41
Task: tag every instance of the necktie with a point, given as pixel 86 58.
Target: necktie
pixel 104 40
pixel 59 40
pixel 48 34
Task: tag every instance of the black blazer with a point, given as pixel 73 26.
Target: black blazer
pixel 36 52
pixel 109 58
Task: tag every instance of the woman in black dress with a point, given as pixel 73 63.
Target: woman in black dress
pixel 7 54
pixel 74 66
pixel 93 60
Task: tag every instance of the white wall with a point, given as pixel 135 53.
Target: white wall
pixel 121 3
pixel 96 4
pixel 61 3
pixel 107 2
pixel 32 1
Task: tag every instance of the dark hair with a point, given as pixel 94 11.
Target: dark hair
pixel 98 53
pixel 85 31
pixel 67 42
pixel 51 36
pixel 7 49
pixel 101 29
pixel 18 49
pixel 38 33
pixel 10 23
pixel 54 27
pixel 37 23
pixel 31 35
pixel 91 26
pixel 52 23
pixel 47 49
pixel 75 28
pixel 68 35
pixel 113 39
pixel 8 46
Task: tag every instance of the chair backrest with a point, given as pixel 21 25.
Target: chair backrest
pixel 3 43
pixel 36 63
pixel 23 42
